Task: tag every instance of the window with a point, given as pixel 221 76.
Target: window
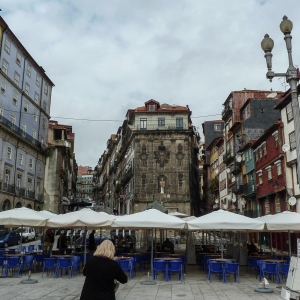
pixel 256 156
pixel 15 98
pixel 1 112
pixel 7 176
pixel 42 140
pixel 38 187
pixel 278 167
pixel 250 154
pixel 8 152
pixel 277 204
pixel 246 156
pixel 260 178
pixel 151 107
pixel 16 78
pixel 5 66
pixel 179 123
pixel 19 180
pixel 39 167
pixel 161 121
pixel 289 112
pixel 27 88
pixel 44 105
pixel 276 140
pixel 13 121
pixel 260 153
pixel 21 159
pixel 7 46
pixel 264 149
pixel 30 163
pixel 43 123
pixel 25 108
pixel 217 127
pixel 23 129
pixel 38 80
pixel 246 112
pixel 292 140
pixel 34 134
pixel 269 171
pixel 267 207
pixel 46 89
pixel 3 87
pixel 143 123
pixel 19 59
pixel 29 184
pixel 36 97
pixel 35 118
pixel 28 71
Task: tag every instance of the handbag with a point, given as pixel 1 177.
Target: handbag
pixel 116 285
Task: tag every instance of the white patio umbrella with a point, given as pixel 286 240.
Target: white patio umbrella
pixel 189 218
pixel 47 214
pixel 149 219
pixel 85 217
pixel 20 217
pixel 224 220
pixel 284 221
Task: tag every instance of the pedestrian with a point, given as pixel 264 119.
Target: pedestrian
pixel 51 240
pixel 46 241
pixel 92 244
pixel 101 271
pixel 62 241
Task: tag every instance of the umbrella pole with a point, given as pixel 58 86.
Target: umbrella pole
pixel 290 252
pixel 222 243
pixel 84 245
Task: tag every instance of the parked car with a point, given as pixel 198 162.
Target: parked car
pixel 27 234
pixel 9 238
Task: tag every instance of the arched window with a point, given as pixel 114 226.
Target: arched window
pixel 18 205
pixel 29 206
pixel 6 205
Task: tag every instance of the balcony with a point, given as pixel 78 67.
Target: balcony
pixel 237 188
pixel 31 194
pixel 236 168
pixel 228 156
pixel 20 191
pixel 40 197
pixel 249 189
pixel 127 176
pixel 9 188
pixel 251 213
pixel 225 112
pixel 167 126
pixel 9 125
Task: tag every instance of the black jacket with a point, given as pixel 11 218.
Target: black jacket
pixel 100 274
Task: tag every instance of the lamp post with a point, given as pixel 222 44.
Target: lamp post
pixel 291 76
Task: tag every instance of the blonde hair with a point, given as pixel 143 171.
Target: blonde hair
pixel 107 249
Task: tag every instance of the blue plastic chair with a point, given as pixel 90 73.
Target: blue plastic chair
pixel 39 259
pixel 126 265
pixel 75 265
pixel 174 267
pixel 40 247
pixel 259 269
pixel 28 262
pixel 284 270
pixel 3 262
pixel 50 265
pixel 252 263
pixel 12 264
pixel 31 248
pixel 231 268
pixel 270 269
pixel 64 264
pixel 23 249
pixel 215 267
pixel 160 266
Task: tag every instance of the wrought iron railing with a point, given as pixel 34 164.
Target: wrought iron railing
pixel 168 126
pixel 228 155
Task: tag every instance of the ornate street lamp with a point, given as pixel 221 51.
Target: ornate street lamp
pixel 291 76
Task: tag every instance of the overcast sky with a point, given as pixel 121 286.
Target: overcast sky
pixel 106 57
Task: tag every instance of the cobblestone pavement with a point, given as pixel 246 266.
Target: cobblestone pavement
pixel 195 286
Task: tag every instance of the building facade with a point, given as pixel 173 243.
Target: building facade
pixel 84 184
pixel 153 156
pixel 25 100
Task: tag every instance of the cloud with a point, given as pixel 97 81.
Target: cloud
pixel 109 56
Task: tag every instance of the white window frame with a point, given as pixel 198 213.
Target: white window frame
pixel 21 159
pixel 36 97
pixel 289 112
pixel 9 153
pixel 5 66
pixel 24 127
pixel 27 88
pixel 35 117
pixel 30 164
pixel 292 140
pixel 38 80
pixel 217 127
pixel 7 45
pixel 267 207
pixel 269 172
pixel 39 167
pixel 46 88
pixel 28 70
pixel 277 205
pixel 29 184
pixel 18 58
pixel 25 108
pixel 15 98
pixel 13 120
pixel 278 167
pixel 1 111
pixel 44 105
pixel 43 123
pixel 264 149
pixel 17 78
pixel 3 87
pixel 34 134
